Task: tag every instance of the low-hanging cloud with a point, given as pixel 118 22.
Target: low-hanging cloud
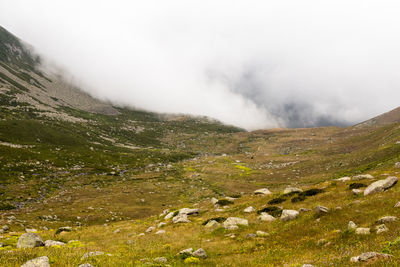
pixel 255 64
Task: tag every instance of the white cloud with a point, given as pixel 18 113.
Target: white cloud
pixel 255 64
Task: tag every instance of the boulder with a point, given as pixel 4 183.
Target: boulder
pixel 357 191
pixel 92 254
pixel 249 209
pixel 150 229
pixel 380 186
pixel 180 218
pixel 397 165
pixel 169 216
pixel 63 229
pixel 397 205
pixel 290 189
pixel 363 231
pixel 262 191
pixel 351 225
pixel 381 229
pixel 37 262
pixel 29 240
pixel 214 200
pixel 160 232
pixel 200 253
pixel 387 219
pixel 362 176
pixel 161 224
pixel 85 265
pixel 50 243
pixel 233 222
pixel 265 217
pixel 288 215
pixel 370 257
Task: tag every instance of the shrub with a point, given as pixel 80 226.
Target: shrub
pixel 7 206
pixel 224 202
pixel 356 185
pixel 312 192
pixel 272 210
pixel 299 198
pixel 277 200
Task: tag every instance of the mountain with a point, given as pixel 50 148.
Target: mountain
pixel 390 117
pixel 124 187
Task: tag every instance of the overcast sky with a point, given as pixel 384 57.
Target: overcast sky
pixel 251 63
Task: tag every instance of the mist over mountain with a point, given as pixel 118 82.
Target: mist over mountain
pixel 267 64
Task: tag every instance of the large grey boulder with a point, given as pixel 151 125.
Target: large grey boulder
pixel 265 217
pixel 380 186
pixel 288 215
pixel 387 219
pixel 37 262
pixel 370 256
pixel 180 218
pixel 249 209
pixel 29 240
pixel 187 211
pixel 200 253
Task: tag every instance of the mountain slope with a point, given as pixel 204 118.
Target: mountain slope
pixel 390 117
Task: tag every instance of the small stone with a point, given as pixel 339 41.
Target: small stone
pixel 117 231
pixel 150 229
pixel 37 262
pixel 397 165
pixel 307 265
pixel 212 224
pixel 363 231
pixel 251 235
pixel 160 232
pixel 50 243
pixel 351 225
pixel 362 176
pixel 381 229
pixel 161 224
pixel 357 191
pixel 288 215
pixel 249 209
pixel 290 189
pixel 233 222
pixel 214 200
pixel 397 205
pixel 262 191
pixel 85 265
pixel 92 254
pixel 187 211
pixel 63 229
pixel 32 230
pixel 200 253
pixel 160 260
pixel 265 217
pixel 321 210
pixel 169 216
pixel 387 219
pixel 261 234
pixel 188 251
pixel 29 240
pixel 304 210
pixel 343 179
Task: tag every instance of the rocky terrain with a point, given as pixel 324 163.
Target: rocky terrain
pixel 85 183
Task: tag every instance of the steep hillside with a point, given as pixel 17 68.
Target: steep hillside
pixel 120 187
pixel 392 116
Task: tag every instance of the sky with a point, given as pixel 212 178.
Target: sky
pixel 251 63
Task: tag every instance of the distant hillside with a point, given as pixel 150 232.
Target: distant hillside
pixel 390 117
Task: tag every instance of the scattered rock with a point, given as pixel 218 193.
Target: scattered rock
pixel 29 240
pixel 187 251
pixel 249 209
pixel 381 229
pixel 288 215
pixel 37 262
pixel 387 219
pixel 169 216
pixel 200 253
pixel 160 232
pixel 290 190
pixel 265 217
pixel 116 231
pixel 85 265
pixel 397 205
pixel 181 218
pixel 261 234
pixel 92 254
pixel 233 222
pixel 397 165
pixel 161 224
pixel 214 200
pixel 357 191
pixel 380 186
pixel 160 260
pixel 351 225
pixel 343 179
pixel 363 231
pixel 370 257
pixel 30 230
pixel 307 265
pixel 362 176
pixel 304 210
pixel 63 229
pixel 212 224
pixel 251 235
pixel 150 229
pixel 187 211
pixel 262 191
pixel 321 210
pixel 50 243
